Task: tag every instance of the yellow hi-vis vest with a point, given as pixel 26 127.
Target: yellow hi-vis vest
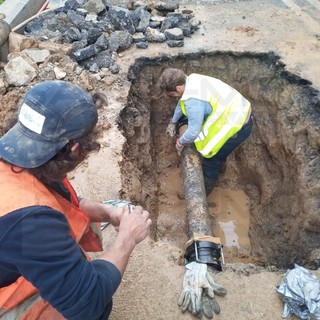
pixel 229 111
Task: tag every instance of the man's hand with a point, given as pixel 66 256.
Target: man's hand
pixel 198 291
pixel 171 129
pixel 134 227
pixel 135 224
pixel 179 146
pixel 114 210
pixel 110 211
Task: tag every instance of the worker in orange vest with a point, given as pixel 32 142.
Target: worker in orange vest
pixel 45 229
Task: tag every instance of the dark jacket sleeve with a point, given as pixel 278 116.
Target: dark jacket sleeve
pixel 38 246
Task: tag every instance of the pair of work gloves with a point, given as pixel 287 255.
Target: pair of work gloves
pixel 199 289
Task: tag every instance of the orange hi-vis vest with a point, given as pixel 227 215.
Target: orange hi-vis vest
pixel 20 189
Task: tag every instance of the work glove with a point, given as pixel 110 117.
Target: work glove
pixel 198 291
pixel 179 146
pixel 171 129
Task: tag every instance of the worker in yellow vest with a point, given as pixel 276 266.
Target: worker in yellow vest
pixel 45 228
pixel 219 118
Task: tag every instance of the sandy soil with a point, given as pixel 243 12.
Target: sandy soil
pixel 153 280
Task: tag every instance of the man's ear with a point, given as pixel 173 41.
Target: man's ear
pixel 75 148
pixel 180 89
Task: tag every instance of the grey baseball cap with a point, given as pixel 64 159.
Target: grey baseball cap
pixel 52 113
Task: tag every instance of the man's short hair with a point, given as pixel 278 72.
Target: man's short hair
pixel 171 78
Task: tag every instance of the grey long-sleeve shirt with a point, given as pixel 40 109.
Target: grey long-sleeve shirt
pixel 197 111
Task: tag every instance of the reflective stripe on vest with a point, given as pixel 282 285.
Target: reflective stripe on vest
pixel 229 111
pixel 19 189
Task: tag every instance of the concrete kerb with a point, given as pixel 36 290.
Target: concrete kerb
pixel 17 12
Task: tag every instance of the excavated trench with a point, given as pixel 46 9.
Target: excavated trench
pixel 270 187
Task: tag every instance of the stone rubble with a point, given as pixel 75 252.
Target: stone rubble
pixel 97 31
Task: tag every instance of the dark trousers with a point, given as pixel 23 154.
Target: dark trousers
pixel 211 166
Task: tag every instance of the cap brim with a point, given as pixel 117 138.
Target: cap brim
pixel 17 148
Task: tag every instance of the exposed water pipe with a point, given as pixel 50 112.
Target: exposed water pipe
pixel 202 246
pixel 195 194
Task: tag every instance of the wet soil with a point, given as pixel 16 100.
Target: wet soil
pixel 264 167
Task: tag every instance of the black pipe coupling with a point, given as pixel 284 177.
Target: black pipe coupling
pixel 205 252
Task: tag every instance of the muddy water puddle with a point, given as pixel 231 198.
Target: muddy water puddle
pixel 230 209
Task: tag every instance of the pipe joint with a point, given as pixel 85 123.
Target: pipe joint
pixel 206 252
